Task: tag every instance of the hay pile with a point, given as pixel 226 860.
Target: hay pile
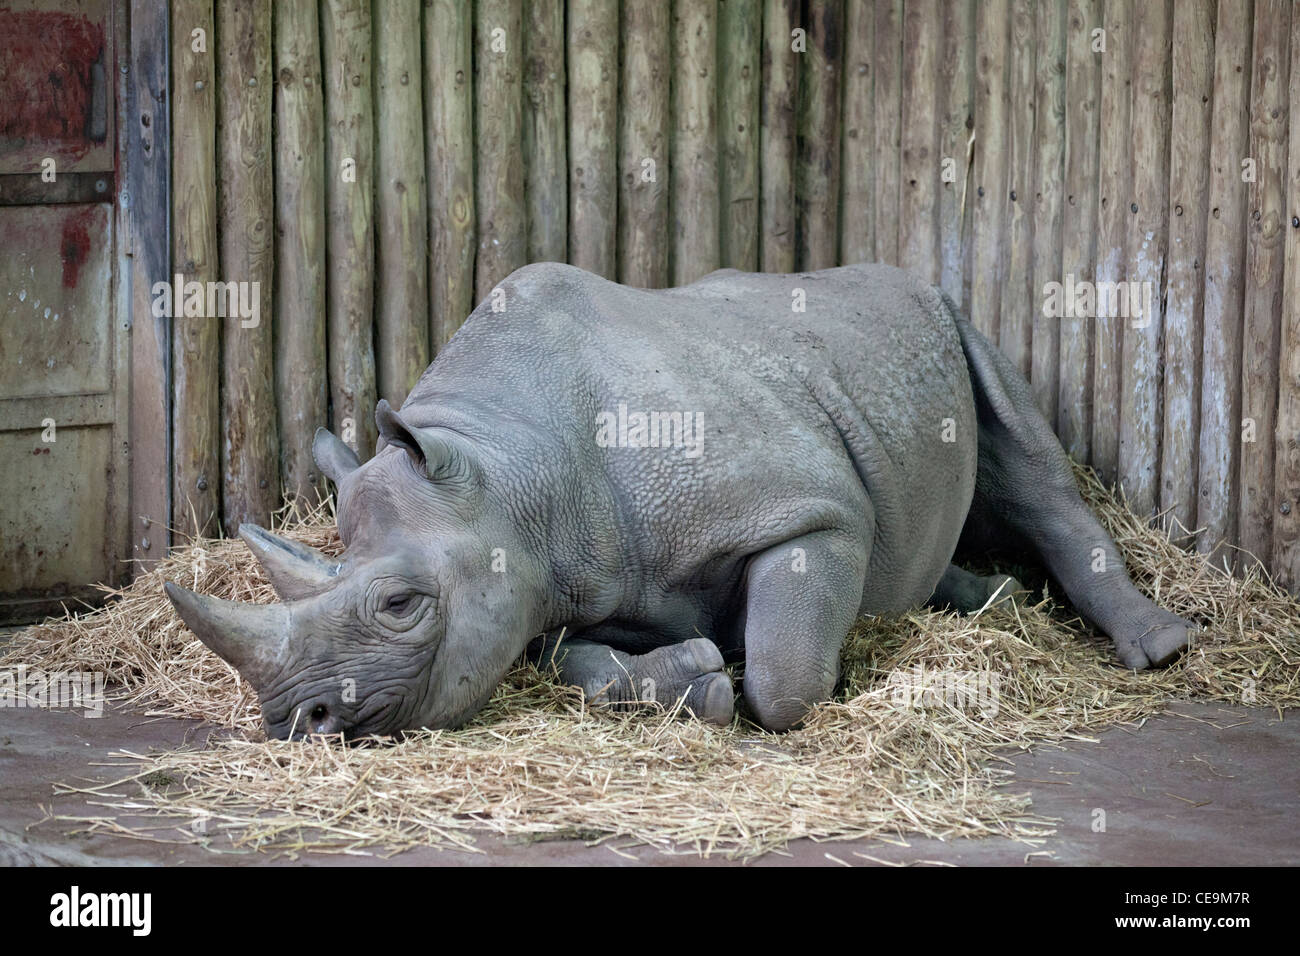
pixel 536 765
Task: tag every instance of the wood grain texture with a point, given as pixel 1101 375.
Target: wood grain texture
pixel 245 196
pixel 546 162
pixel 1017 300
pixel 1047 202
pixel 778 119
pixel 593 135
pixel 643 166
pixel 956 122
pixel 449 163
pixel 349 208
pixel 401 203
pixel 301 386
pixel 987 198
pixel 1268 220
pixel 1219 445
pixel 694 141
pixel 1147 231
pixel 888 100
pixel 817 163
pixel 1113 201
pixel 498 132
pixel 739 76
pixel 196 342
pixel 918 224
pixel 1189 176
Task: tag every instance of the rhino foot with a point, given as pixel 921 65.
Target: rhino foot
pixel 1154 643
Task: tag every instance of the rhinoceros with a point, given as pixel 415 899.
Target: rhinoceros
pixel 645 485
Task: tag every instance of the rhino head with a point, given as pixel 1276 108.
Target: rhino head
pixel 413 625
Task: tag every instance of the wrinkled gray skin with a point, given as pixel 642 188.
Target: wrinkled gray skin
pixel 846 450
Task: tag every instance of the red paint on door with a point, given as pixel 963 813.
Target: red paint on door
pixel 47 76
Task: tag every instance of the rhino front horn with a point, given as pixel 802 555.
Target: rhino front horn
pixel 252 638
pixel 295 570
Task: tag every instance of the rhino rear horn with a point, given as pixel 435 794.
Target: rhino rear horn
pixel 295 570
pixel 333 457
pixel 252 638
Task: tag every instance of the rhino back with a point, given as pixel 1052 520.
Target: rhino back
pixel 833 416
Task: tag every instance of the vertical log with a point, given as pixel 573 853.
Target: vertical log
pixel 779 132
pixel 956 75
pixel 1265 248
pixel 449 158
pixel 818 158
pixel 888 109
pixel 593 147
pixel 1286 529
pixel 1219 445
pixel 988 202
pixel 301 386
pixel 643 166
pixel 401 204
pixel 250 443
pixel 1015 319
pixel 1049 157
pixel 858 136
pixel 1189 176
pixel 498 128
pixel 350 238
pixel 1147 231
pixel 1079 223
pixel 545 150
pixel 196 341
pixel 695 140
pixel 739 75
pixel 1112 223
pixel 918 224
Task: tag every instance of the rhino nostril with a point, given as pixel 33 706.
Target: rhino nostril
pixel 319 713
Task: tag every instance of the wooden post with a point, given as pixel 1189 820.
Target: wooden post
pixel 1049 167
pixel 1147 231
pixel 1220 440
pixel 401 204
pixel 196 341
pixel 739 77
pixel 1189 176
pixel 695 140
pixel 545 152
pixel 498 127
pixel 918 224
pixel 956 57
pixel 301 385
pixel 818 167
pixel 1017 301
pixel 643 167
pixel 780 83
pixel 888 107
pixel 1112 223
pixel 1079 223
pixel 250 442
pixel 988 186
pixel 1286 528
pixel 1265 247
pixel 449 157
pixel 858 137
pixel 350 237
pixel 593 147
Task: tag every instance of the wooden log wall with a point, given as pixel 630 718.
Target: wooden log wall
pixel 379 166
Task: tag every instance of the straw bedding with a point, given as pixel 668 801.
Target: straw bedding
pixel 878 761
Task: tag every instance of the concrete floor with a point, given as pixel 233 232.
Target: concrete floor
pixel 1213 785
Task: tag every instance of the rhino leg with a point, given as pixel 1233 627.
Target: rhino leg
pixel 801 599
pixel 610 678
pixel 1025 492
pixel 964 591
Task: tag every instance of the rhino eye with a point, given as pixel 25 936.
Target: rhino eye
pixel 400 604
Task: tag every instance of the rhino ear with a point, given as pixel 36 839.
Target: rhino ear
pixel 432 450
pixel 335 459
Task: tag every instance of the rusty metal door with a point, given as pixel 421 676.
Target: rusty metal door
pixel 64 331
